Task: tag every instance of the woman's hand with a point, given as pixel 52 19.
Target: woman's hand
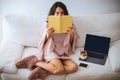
pixel 70 30
pixel 50 31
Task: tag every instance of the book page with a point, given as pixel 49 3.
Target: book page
pixel 54 22
pixel 66 21
pixel 60 23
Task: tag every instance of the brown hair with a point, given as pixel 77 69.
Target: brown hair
pixel 58 4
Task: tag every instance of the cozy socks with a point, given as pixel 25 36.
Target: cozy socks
pixel 27 62
pixel 37 73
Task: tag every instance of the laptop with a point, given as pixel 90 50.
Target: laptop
pixel 97 48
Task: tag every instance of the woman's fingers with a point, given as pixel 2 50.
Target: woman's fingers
pixel 70 29
pixel 51 29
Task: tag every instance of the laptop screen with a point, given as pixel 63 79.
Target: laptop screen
pixel 97 43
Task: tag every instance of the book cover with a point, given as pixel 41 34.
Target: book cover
pixel 60 23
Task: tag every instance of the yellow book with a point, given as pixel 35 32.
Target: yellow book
pixel 60 23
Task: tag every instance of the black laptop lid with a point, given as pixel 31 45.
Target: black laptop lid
pixel 97 43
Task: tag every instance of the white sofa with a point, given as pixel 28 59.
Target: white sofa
pixel 21 32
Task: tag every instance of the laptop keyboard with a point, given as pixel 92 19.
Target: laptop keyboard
pixel 95 55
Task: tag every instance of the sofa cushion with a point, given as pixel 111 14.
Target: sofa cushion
pixel 23 29
pixel 30 51
pixel 19 76
pixel 9 54
pixel 114 55
pixel 103 25
pixel 93 71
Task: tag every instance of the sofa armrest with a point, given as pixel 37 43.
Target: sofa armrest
pixel 114 55
pixel 9 54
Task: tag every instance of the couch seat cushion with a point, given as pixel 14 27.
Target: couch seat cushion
pixel 22 74
pixel 114 56
pixel 93 72
pixel 9 54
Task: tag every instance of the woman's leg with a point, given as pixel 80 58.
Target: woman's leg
pixel 55 66
pixel 70 66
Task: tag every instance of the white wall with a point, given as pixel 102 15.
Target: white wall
pixel 0 22
pixel 75 7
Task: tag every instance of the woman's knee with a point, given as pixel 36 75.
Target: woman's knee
pixel 70 66
pixel 58 66
pixel 59 70
pixel 74 67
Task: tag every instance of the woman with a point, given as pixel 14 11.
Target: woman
pixel 56 48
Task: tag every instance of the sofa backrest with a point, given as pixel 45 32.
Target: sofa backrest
pixel 25 30
pixel 107 25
